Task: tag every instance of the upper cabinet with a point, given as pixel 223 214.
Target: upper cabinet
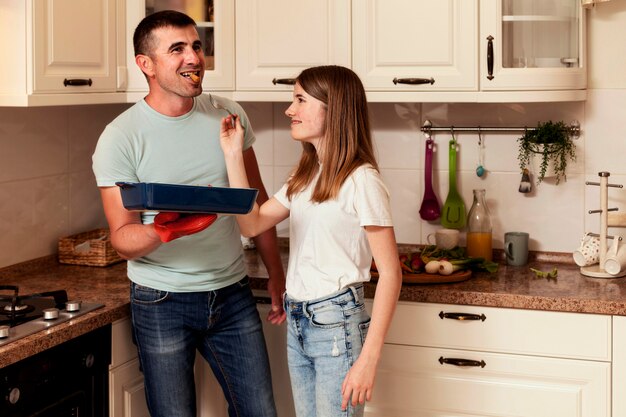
pixel 215 20
pixel 62 52
pixel 277 39
pixel 415 46
pixel 470 51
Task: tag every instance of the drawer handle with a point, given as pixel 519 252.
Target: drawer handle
pixel 430 80
pixel 287 81
pixel 77 82
pixel 462 316
pixel 462 362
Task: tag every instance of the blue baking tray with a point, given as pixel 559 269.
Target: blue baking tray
pixel 143 196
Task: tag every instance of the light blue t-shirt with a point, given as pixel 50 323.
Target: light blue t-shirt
pixel 142 145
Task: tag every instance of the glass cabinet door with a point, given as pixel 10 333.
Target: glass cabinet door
pixel 532 45
pixel 215 25
pixel 540 33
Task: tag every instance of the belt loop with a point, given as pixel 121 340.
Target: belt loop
pixel 355 294
pixel 305 311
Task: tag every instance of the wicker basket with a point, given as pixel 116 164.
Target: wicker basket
pixel 91 248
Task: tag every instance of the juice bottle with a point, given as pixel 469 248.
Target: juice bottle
pixel 479 239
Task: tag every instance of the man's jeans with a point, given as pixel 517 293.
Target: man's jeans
pixel 324 339
pixel 224 326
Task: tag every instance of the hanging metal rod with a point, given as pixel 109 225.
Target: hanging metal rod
pixel 428 128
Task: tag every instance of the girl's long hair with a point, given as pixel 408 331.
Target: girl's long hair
pixel 347 142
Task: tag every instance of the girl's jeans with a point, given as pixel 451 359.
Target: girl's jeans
pixel 324 338
pixel 224 326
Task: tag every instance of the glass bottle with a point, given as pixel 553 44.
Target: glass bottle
pixel 479 239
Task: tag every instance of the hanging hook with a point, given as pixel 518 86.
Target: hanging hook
pixel 480 138
pixel 452 133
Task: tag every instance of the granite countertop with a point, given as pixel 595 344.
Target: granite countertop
pixel 510 287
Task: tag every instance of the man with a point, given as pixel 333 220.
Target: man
pixel 192 292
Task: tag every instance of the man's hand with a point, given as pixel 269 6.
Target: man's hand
pixel 172 225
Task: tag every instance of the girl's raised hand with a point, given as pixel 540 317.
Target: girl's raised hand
pixel 231 135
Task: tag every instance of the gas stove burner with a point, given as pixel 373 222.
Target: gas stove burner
pixel 17 309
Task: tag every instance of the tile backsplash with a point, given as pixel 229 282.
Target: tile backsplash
pixel 47 188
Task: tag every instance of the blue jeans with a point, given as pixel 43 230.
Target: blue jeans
pixel 324 338
pixel 224 326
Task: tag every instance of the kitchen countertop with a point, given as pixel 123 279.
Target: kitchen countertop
pixel 510 287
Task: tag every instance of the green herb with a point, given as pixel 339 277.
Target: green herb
pixel 550 275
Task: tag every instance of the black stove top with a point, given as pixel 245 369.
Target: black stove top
pixel 22 315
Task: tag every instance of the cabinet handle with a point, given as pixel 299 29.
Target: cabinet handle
pixel 77 82
pixel 414 81
pixel 287 81
pixel 490 57
pixel 462 316
pixel 462 362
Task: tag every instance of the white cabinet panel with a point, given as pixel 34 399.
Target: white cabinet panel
pixel 413 382
pixel 277 39
pixel 528 332
pixel 425 39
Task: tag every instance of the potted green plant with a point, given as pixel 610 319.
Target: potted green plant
pixel 551 140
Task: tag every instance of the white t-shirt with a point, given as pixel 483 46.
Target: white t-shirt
pixel 328 247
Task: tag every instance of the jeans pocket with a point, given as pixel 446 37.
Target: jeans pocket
pixel 147 295
pixel 363 328
pixel 327 316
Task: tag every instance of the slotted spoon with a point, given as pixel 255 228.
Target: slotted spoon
pixel 453 213
pixel 430 205
pixel 218 106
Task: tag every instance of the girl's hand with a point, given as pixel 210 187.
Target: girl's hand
pixel 359 382
pixel 231 138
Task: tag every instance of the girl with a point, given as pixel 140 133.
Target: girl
pixel 339 217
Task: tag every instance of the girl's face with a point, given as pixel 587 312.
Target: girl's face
pixel 308 116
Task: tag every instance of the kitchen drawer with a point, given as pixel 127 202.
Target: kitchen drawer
pixel 412 381
pixel 528 332
pixel 122 347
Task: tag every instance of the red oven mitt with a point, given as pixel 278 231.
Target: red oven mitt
pixel 171 225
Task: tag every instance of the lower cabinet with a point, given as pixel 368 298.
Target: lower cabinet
pixel 453 361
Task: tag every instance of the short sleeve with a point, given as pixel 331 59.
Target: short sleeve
pixel 372 200
pixel 281 196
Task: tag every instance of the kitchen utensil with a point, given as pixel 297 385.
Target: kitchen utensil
pixel 430 209
pixel 424 278
pixel 218 106
pixel 453 213
pixel 480 169
pixel 186 198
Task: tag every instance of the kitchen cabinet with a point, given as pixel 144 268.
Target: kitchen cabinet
pixel 215 20
pixel 277 39
pixel 470 51
pixel 463 360
pixel 619 366
pixel 62 52
pixel 126 390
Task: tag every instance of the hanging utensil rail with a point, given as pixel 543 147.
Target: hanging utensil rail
pixel 428 128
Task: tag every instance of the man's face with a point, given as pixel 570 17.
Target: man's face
pixel 177 62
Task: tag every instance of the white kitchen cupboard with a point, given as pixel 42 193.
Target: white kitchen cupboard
pixel 126 390
pixel 619 366
pixel 446 42
pixel 62 52
pixel 215 20
pixel 449 360
pixel 277 39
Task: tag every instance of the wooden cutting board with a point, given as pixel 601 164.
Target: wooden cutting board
pixel 425 278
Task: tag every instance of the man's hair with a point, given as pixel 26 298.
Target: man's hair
pixel 143 39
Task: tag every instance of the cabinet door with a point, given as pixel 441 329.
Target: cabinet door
pixel 619 366
pixel 421 382
pixel 416 39
pixel 127 397
pixel 74 46
pixel 533 45
pixel 276 39
pixel 215 22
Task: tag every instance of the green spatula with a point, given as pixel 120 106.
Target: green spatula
pixel 453 213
